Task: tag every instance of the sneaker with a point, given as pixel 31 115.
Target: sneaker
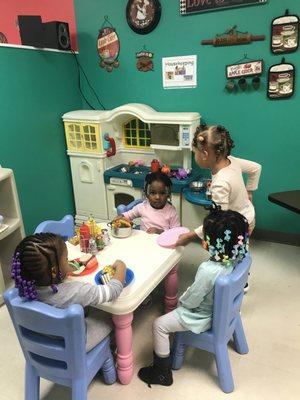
pixel 246 288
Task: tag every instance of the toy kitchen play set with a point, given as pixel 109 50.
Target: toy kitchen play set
pixel 112 151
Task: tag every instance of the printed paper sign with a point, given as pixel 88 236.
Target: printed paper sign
pixel 179 72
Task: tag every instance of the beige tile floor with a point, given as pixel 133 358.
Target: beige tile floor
pixel 271 316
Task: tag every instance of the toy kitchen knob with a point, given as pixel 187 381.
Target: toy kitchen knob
pixel 155 165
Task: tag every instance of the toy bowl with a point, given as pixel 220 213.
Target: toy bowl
pixel 197 186
pixel 121 232
pixel 128 277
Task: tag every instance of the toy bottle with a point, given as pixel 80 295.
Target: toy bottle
pixel 84 238
pixel 154 165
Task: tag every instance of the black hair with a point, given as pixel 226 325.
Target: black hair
pixel 38 254
pixel 158 177
pixel 216 136
pixel 226 233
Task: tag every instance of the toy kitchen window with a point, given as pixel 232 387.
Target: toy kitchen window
pixel 82 137
pixel 136 134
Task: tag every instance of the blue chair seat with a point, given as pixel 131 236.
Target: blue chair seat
pixel 53 341
pixel 226 324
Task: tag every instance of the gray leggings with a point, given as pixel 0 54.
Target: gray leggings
pixel 162 326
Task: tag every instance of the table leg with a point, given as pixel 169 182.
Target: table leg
pixel 171 290
pixel 123 334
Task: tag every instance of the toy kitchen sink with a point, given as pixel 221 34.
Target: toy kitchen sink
pixel 101 143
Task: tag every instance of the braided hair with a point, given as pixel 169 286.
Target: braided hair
pixel 36 262
pixel 217 137
pixel 226 234
pixel 158 177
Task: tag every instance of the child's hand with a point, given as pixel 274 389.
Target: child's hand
pixel 154 230
pixel 186 238
pixel 120 268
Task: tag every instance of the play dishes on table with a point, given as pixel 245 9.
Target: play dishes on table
pixel 120 228
pixel 84 265
pixel 169 238
pixel 107 273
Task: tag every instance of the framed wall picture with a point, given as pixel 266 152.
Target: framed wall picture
pixel 143 15
pixel 285 34
pixel 200 6
pixel 281 81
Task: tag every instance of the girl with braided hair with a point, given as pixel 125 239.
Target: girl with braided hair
pixel 39 268
pixel 212 146
pixel 226 239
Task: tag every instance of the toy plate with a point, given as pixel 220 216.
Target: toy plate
pixel 169 238
pixel 86 271
pixel 128 277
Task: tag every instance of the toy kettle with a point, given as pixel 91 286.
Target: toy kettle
pixel 155 165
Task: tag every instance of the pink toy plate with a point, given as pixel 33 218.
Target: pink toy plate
pixel 170 237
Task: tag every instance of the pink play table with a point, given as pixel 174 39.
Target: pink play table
pixel 150 264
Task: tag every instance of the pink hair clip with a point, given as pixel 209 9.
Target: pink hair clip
pixel 241 238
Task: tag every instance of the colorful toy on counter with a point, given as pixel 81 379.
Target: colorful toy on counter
pixel 155 165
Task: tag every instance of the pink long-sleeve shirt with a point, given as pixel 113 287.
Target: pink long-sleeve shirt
pixel 164 218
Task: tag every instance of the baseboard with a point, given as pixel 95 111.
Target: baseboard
pixel 278 237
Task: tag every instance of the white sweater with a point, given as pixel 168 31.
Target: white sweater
pixel 229 191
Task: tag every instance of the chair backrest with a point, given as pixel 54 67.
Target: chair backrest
pixel 52 339
pixel 228 296
pixel 64 227
pixel 123 208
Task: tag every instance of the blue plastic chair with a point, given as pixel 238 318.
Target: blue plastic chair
pixel 227 323
pixel 53 342
pixel 123 208
pixel 64 227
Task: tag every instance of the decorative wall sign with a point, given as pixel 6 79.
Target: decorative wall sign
pixel 108 45
pixel 285 34
pixel 250 68
pixel 143 15
pixel 144 60
pixel 281 81
pixel 232 37
pixel 179 72
pixel 197 6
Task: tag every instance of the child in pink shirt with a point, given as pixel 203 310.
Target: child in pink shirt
pixel 156 212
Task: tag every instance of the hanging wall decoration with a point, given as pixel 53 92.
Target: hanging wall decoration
pixel 232 37
pixel 199 6
pixel 144 60
pixel 143 15
pixel 108 46
pixel 3 38
pixel 285 34
pixel 281 81
pixel 241 71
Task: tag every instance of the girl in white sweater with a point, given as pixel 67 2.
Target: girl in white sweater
pixel 212 146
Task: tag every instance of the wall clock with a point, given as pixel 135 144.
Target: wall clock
pixel 143 15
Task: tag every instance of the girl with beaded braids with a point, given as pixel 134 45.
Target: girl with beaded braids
pixel 226 239
pixel 156 212
pixel 212 146
pixel 39 268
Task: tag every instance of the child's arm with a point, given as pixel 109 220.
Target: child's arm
pixel 135 212
pixel 253 170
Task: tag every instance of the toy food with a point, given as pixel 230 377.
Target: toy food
pixel 110 270
pixel 165 169
pixel 121 223
pixel 86 262
pixel 74 240
pixel 121 227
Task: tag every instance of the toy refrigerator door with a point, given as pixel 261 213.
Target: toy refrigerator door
pixel 88 185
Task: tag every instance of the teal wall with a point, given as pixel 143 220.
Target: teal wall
pixel 37 87
pixel 265 131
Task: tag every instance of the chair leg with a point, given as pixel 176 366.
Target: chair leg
pixel 224 369
pixel 32 383
pixel 177 352
pixel 109 371
pixel 79 390
pixel 239 337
